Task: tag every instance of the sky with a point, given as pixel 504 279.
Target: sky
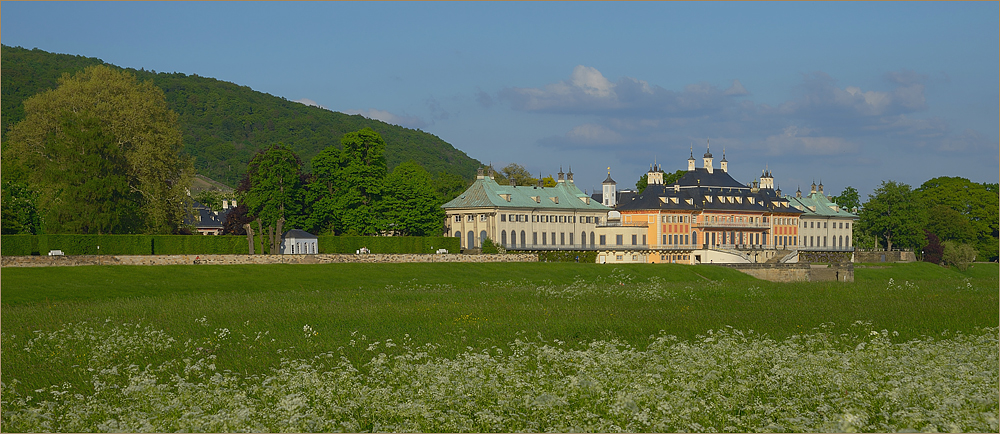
pixel 843 93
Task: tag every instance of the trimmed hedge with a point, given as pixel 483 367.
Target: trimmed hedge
pixel 199 244
pixel 16 245
pixel 24 245
pixel 335 244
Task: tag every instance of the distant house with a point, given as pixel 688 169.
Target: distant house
pixel 299 242
pixel 208 222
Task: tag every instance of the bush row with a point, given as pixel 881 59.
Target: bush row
pixel 24 245
pixel 588 256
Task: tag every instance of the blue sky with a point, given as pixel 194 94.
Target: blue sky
pixel 847 93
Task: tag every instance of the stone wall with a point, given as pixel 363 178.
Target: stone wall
pixel 884 256
pixel 77 260
pixel 797 272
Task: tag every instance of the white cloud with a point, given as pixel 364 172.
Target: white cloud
pixel 591 82
pixel 737 89
pixel 309 102
pixel 390 118
pixel 795 140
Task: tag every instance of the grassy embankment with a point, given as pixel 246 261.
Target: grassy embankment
pixel 456 306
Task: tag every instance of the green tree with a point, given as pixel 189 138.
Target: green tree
pixel 102 106
pixel 20 212
pixel 519 174
pixel 364 173
pixel 891 215
pixel 950 225
pixel 448 186
pixel 548 181
pixel 272 188
pixel 848 198
pixel 958 254
pixel 327 192
pixel 642 183
pixel 976 202
pixel 410 203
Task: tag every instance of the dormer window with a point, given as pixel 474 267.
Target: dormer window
pixel 505 196
pixel 708 199
pixel 537 199
pixel 673 199
pixel 554 199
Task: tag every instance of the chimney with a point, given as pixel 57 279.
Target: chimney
pixel 562 176
pixel 569 175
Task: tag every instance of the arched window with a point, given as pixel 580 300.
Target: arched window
pixel 482 237
pixel 524 240
pixel 583 239
pixel 503 238
pixel 694 238
pixel 458 234
pixel 471 243
pixel 592 239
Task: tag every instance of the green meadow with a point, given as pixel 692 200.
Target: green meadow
pixel 65 328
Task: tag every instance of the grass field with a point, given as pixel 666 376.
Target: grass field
pixel 70 334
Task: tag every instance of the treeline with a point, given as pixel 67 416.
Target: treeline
pixel 349 192
pixel 946 220
pixel 223 125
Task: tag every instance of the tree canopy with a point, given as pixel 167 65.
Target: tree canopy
pixel 848 198
pixel 273 187
pixel 107 144
pixel 892 215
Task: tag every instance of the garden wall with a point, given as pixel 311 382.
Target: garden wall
pixel 78 260
pixel 797 272
pixel 884 256
pixel 26 245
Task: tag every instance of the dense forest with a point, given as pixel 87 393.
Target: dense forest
pixel 224 124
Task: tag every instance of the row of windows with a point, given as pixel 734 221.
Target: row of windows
pixel 535 218
pixel 837 241
pixel 815 225
pixel 678 239
pixel 548 238
pixel 675 258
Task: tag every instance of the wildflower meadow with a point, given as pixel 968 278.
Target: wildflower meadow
pixel 624 349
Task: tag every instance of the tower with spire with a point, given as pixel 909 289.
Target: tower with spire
pixel 691 160
pixel 610 189
pixel 708 157
pixel 723 164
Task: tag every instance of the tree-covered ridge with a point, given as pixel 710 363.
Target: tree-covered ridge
pixel 224 124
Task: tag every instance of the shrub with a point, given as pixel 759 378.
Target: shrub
pixel 958 254
pixel 568 256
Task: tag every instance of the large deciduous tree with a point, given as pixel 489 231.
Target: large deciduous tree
pixel 410 203
pixel 348 184
pixel 891 215
pixel 272 188
pixel 848 198
pixel 102 114
pixel 974 219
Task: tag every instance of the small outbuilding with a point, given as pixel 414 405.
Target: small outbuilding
pixel 299 242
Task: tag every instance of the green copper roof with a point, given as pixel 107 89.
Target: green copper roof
pixel 486 193
pixel 817 204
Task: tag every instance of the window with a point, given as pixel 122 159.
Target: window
pixel 553 238
pixel 644 239
pixel 686 239
pixel 562 239
pixel 618 257
pixel 635 257
pixel 571 238
pixel 664 239
pixel 503 238
pixel 458 234
pixel 534 218
pixel 618 240
pixel 592 239
pixel 458 218
pixel 503 217
pixel 824 225
pixel 544 234
pixel 633 240
pixel 603 239
pixel 522 239
pixel 468 218
pixel 824 241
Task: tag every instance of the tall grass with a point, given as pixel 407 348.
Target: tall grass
pixel 331 340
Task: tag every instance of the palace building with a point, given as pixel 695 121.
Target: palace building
pixel 706 216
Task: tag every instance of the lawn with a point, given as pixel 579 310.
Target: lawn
pixel 63 327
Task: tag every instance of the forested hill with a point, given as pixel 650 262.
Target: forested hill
pixel 224 124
